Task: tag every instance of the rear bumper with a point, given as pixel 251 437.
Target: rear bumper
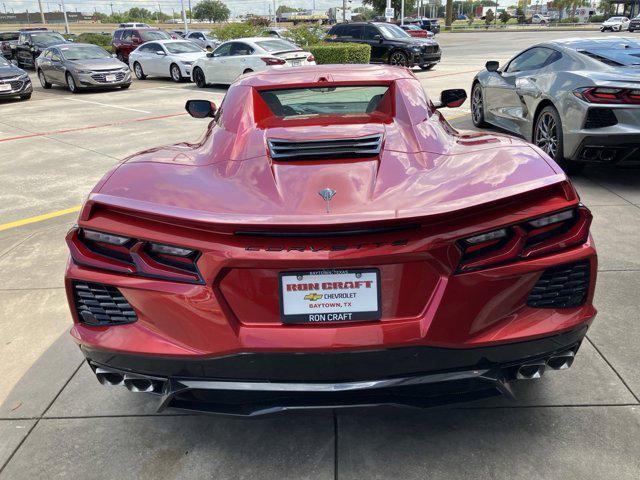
pixel 249 384
pixel 609 149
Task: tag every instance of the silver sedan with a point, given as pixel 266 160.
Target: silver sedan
pixel 576 99
pixel 81 65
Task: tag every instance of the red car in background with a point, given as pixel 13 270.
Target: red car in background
pixel 126 40
pixel 332 241
pixel 416 31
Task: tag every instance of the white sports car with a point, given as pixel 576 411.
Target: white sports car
pixel 165 58
pixel 236 57
pixel 615 24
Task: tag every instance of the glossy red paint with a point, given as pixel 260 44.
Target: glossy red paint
pixel 443 186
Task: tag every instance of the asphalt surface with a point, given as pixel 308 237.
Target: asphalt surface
pixel 56 420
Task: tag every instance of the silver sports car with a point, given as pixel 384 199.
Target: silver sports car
pixel 577 99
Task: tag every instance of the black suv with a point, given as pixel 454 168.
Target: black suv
pixel 430 24
pixel 635 24
pixel 30 45
pixel 389 43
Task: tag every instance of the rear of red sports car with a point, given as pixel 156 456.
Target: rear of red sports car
pixel 331 242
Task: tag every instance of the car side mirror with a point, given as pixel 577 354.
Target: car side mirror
pixel 378 38
pixel 492 66
pixel 200 108
pixel 452 98
pixel 210 54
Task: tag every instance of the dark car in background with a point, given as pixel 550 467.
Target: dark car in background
pixel 634 24
pixel 30 45
pixel 389 43
pixel 6 40
pixel 126 40
pixel 430 24
pixel 14 82
pixel 81 65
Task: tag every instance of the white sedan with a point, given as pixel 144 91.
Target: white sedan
pixel 615 24
pixel 165 58
pixel 237 57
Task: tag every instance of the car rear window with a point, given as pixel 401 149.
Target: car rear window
pixel 148 35
pixel 8 36
pixel 276 45
pixel 347 100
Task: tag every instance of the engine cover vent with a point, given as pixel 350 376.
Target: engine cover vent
pixel 368 146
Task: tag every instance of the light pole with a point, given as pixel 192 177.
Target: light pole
pixel 388 7
pixel 184 18
pixel 66 22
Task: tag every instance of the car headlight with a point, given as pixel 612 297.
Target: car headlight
pixel 416 48
pixel 185 62
pixel 24 77
pixel 84 72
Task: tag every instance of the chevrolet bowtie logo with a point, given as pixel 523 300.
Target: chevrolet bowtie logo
pixel 313 296
pixel 327 194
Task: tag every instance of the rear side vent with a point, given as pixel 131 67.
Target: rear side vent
pixel 322 149
pixel 99 304
pixel 565 286
pixel 600 118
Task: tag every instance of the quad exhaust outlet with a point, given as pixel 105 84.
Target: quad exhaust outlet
pixel 133 382
pixel 559 361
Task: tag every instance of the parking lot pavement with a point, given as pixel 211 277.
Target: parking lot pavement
pixel 57 421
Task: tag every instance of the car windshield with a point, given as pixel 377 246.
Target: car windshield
pixel 83 52
pixel 154 35
pixel 182 47
pixel 356 100
pixel 276 45
pixel 615 19
pixel 47 38
pixel 392 31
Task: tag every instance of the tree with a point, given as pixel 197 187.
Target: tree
pixel 212 10
pixel 286 9
pixel 489 17
pixel 365 13
pixel 136 13
pixel 504 16
pixel 380 5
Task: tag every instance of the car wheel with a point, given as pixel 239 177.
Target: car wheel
pixel 25 97
pixel 175 73
pixel 477 106
pixel 548 135
pixel 71 83
pixel 427 67
pixel 248 70
pixel 631 30
pixel 398 58
pixel 43 80
pixel 199 78
pixel 137 69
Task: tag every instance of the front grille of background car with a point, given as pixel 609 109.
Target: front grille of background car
pixel 99 304
pixel 429 49
pixel 15 84
pixel 564 286
pixel 600 118
pixel 323 149
pixel 102 76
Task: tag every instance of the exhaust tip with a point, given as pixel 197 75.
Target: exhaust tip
pixel 110 378
pixel 590 153
pixel 608 155
pixel 139 385
pixel 561 361
pixel 530 371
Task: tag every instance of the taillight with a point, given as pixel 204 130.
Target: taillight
pixel 273 61
pixel 133 256
pixel 532 238
pixel 608 95
pixel 311 58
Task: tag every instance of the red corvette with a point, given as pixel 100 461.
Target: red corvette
pixel 331 242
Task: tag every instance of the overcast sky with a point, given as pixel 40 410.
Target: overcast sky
pixel 237 7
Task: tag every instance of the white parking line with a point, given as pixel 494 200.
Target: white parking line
pixel 107 105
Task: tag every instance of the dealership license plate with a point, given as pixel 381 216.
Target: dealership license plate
pixel 296 63
pixel 5 87
pixel 110 78
pixel 328 296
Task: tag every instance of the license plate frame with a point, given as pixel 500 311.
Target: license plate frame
pixel 5 87
pixel 343 313
pixel 110 78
